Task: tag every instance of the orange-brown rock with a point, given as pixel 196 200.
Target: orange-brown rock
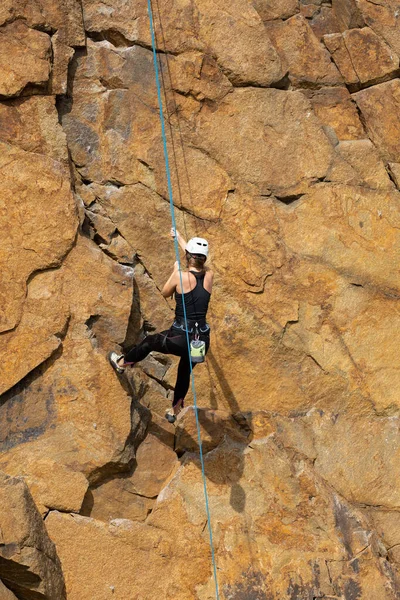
pixel 366 166
pixel 41 329
pixel 152 210
pixel 348 14
pixel 198 75
pixel 123 22
pixel 156 314
pixel 5 593
pixel 75 415
pixel 394 169
pixel 32 124
pixel 39 188
pixel 335 108
pixel 277 156
pixel 113 132
pixel 333 442
pixel 308 62
pixel 55 296
pixel 323 21
pixel 215 426
pixel 133 497
pixel 363 211
pixel 361 56
pixel 101 316
pixel 384 19
pixel 29 564
pixel 276 9
pixel 366 211
pixel 301 536
pixel 336 45
pixel 295 189
pixel 62 55
pixel 244 53
pixel 379 108
pixel 64 16
pixel 387 525
pixel 30 64
pixel 62 20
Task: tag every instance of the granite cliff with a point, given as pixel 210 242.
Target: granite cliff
pixel 283 124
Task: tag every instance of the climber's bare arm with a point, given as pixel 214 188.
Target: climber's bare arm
pixel 170 286
pixel 208 280
pixel 181 240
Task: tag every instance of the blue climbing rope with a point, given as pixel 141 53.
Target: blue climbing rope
pixel 172 210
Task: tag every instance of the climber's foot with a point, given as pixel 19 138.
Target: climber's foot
pixel 173 412
pixel 170 416
pixel 115 361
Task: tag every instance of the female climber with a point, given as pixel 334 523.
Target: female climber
pixel 197 281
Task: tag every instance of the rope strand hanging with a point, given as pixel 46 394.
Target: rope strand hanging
pixel 172 211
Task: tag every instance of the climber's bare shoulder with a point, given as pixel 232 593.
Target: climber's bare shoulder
pixel 208 280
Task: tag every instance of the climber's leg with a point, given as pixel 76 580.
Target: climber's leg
pixel 182 381
pixel 154 342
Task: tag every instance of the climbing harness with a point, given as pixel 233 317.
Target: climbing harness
pixel 197 346
pixel 172 211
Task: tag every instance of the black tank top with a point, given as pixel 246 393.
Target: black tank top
pixel 196 301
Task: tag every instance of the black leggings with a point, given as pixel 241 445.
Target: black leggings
pixel 174 342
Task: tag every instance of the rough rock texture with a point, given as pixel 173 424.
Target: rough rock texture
pixel 361 56
pixel 30 64
pixel 285 159
pixel 41 36
pixel 337 110
pixel 5 593
pixel 36 186
pixel 29 565
pixel 282 123
pixel 133 496
pixel 281 532
pixel 384 19
pixel 214 427
pixel 379 107
pixel 308 62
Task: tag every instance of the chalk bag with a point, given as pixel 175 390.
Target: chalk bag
pixel 197 349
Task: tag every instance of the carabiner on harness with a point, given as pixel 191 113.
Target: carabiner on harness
pixel 197 347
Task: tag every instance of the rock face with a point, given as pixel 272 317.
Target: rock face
pixel 361 56
pixel 29 565
pixel 301 538
pixel 31 58
pixel 308 62
pixel 282 124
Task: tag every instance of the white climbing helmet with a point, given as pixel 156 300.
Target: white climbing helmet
pixel 197 246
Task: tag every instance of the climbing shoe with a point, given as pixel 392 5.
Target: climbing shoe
pixel 113 359
pixel 170 415
pixel 174 411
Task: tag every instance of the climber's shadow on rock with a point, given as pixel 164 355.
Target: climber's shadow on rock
pixel 244 421
pixel 224 436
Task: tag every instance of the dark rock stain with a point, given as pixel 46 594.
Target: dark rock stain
pixel 352 590
pixel 297 591
pixel 343 522
pixel 355 565
pixel 253 587
pixel 26 411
